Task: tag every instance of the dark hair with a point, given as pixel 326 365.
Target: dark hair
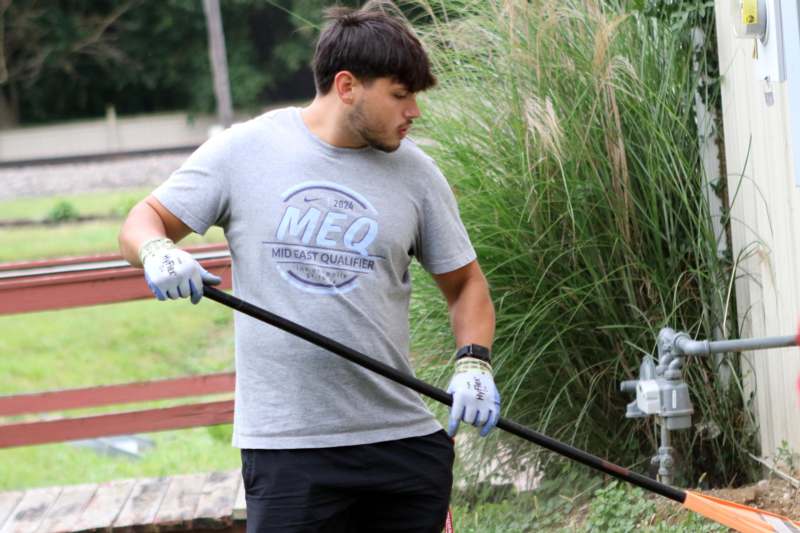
pixel 371 44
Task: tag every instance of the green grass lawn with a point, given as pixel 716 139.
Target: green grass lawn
pixel 186 451
pixel 97 203
pixel 73 238
pixel 114 343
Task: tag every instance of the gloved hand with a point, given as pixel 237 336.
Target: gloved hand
pixel 475 396
pixel 172 273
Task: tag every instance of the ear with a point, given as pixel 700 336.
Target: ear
pixel 346 85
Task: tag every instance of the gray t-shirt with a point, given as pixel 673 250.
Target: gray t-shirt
pixel 322 236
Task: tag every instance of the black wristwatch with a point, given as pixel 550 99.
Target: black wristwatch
pixel 476 351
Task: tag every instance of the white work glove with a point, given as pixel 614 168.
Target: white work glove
pixel 475 396
pixel 172 273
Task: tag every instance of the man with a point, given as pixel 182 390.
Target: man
pixel 324 208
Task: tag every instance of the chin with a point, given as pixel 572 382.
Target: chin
pixel 385 147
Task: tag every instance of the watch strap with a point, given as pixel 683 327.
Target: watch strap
pixel 475 351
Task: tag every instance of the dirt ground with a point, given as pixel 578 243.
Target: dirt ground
pixel 774 494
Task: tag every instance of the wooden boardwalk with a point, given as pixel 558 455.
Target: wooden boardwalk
pixel 193 502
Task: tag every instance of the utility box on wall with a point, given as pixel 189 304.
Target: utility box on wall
pixel 774 28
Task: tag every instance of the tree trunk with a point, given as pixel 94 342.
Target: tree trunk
pixel 9 108
pixel 219 63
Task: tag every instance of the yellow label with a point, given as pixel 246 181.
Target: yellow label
pixel 749 11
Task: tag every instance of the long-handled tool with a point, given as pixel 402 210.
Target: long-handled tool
pixel 739 517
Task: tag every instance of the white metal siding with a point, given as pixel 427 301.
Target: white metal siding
pixel 764 232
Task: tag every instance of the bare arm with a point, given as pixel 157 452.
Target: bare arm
pixel 471 310
pixel 147 220
pixel 476 400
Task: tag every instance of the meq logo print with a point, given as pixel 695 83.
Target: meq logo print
pixel 322 241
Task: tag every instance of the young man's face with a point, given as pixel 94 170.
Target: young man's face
pixel 382 113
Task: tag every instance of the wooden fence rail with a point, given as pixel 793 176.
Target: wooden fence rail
pixel 42 402
pixel 82 281
pixel 144 421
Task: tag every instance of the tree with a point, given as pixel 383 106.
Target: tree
pixel 70 59
pixel 56 40
pixel 219 62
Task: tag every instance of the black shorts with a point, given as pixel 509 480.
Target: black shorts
pixel 401 485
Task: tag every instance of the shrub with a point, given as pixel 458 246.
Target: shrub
pixel 621 509
pixel 567 129
pixel 63 211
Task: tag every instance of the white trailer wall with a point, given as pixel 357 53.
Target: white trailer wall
pixel 765 209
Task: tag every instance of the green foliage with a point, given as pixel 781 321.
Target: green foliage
pixel 621 509
pixel 561 507
pixel 63 211
pixel 71 61
pixel 691 523
pixel 573 503
pixel 679 13
pixel 785 456
pixel 506 516
pixel 551 507
pixel 568 133
pixel 616 509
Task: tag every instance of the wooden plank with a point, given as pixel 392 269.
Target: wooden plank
pixel 180 502
pixel 63 291
pixel 182 416
pixel 142 504
pixel 67 509
pixel 240 504
pixel 104 506
pixel 215 508
pixel 8 501
pixel 99 258
pixel 115 394
pixel 31 510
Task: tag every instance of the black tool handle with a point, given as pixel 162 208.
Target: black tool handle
pixel 440 395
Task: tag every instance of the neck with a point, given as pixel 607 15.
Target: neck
pixel 327 119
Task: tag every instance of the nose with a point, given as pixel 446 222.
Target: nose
pixel 412 111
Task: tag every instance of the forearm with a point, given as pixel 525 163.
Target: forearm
pixel 472 315
pixel 476 399
pixel 142 224
pixel 148 220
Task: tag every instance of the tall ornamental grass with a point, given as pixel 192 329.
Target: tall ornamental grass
pixel 567 130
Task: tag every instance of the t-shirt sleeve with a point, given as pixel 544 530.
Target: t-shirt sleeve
pixel 198 192
pixel 443 243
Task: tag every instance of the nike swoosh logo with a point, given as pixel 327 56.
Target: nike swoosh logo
pixel 311 199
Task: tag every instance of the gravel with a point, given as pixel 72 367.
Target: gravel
pixel 72 178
